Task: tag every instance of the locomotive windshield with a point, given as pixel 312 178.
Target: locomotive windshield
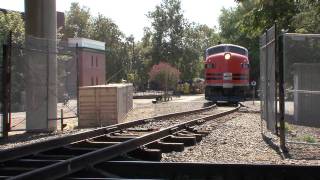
pixel 227 48
pixel 237 50
pixel 215 50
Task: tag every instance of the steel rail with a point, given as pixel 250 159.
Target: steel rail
pixel 72 165
pixel 35 148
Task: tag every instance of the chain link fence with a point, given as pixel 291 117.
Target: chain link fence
pixel 43 83
pixel 301 54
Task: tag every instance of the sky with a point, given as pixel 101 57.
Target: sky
pixel 130 15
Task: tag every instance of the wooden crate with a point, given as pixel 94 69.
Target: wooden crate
pixel 104 105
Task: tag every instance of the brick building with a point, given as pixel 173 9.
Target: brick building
pixel 91 66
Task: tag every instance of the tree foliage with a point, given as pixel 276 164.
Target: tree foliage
pixel 105 30
pixel 308 17
pixel 244 24
pixel 176 40
pixel 78 21
pixel 167 31
pixel 12 21
pixel 173 39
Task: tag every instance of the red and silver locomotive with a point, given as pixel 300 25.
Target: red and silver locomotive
pixel 226 73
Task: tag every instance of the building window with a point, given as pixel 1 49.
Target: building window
pixel 91 61
pixel 97 82
pixel 96 61
pixel 92 81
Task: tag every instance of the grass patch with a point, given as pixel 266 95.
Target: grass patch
pixel 288 128
pixel 309 139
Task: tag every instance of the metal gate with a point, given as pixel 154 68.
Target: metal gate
pixel 268 78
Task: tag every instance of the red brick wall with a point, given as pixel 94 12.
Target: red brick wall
pixel 92 68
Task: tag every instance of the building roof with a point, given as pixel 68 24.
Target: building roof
pixel 86 43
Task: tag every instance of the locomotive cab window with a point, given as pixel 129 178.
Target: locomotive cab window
pixel 215 50
pixel 238 50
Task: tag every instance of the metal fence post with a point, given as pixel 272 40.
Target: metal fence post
pixel 253 94
pixel 78 78
pixel 9 79
pixel 266 93
pixel 276 58
pixel 6 87
pixel 4 109
pixel 281 95
pixel 47 83
pixel 61 119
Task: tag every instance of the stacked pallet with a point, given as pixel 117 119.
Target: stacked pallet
pixel 104 105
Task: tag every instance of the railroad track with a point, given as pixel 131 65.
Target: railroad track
pixel 125 151
pixel 23 162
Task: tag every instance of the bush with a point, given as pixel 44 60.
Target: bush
pixel 164 75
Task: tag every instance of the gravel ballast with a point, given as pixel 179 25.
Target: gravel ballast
pixel 142 109
pixel 145 108
pixel 235 138
pixel 158 124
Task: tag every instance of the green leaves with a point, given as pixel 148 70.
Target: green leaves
pixel 308 18
pixel 175 40
pixel 78 21
pixel 244 24
pixel 12 21
pixel 167 31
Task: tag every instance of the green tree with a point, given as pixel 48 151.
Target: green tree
pixel 308 18
pixel 244 24
pixel 197 38
pixel 78 22
pixel 173 39
pixel 143 57
pixel 12 21
pixel 167 31
pixel 237 26
pixel 104 29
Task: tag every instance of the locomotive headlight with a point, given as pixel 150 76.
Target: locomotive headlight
pixel 227 56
